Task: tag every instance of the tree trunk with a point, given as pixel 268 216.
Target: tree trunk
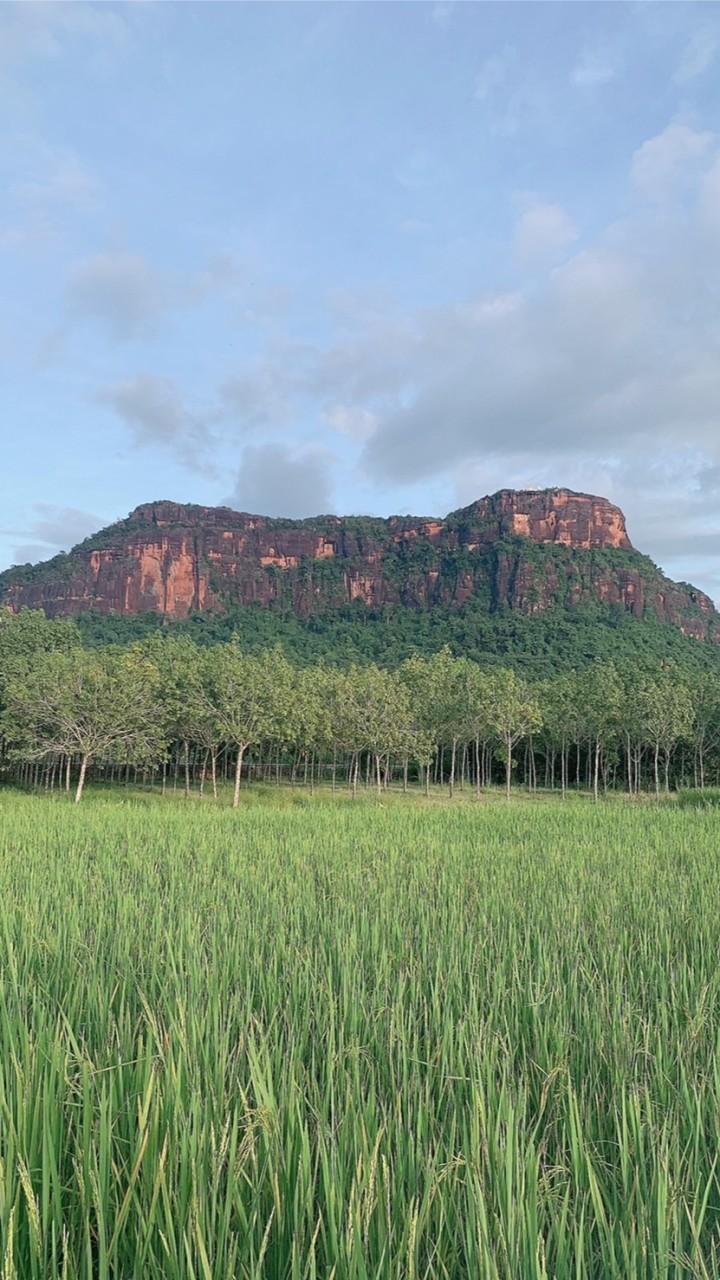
pixel 508 768
pixel 213 766
pixel 453 755
pixel 657 769
pixel 81 779
pixel 238 771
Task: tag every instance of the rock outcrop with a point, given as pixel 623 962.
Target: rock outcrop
pixel 527 550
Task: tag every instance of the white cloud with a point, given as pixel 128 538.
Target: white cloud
pixel 63 526
pixel 699 55
pixel 494 73
pixel 52 529
pixel 275 481
pixel 442 12
pixel 665 165
pixel 154 410
pixel 595 66
pixel 613 355
pixel 37 30
pixel 709 203
pixel 545 228
pixel 121 290
pixel 126 294
pixel 52 185
pixel 352 421
pixel 258 398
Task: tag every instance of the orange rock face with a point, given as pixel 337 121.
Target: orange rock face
pixel 175 560
pixel 555 515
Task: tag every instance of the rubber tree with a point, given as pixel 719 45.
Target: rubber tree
pixel 665 714
pixel 514 712
pixel 240 689
pixel 599 704
pixel 186 711
pixel 439 696
pixel 91 704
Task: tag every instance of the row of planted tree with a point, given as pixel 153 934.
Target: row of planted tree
pixel 169 713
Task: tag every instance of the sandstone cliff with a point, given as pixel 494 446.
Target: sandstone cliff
pixel 526 550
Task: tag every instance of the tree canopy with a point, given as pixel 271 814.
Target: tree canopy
pixel 168 704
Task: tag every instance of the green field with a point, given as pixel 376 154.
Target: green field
pixel 312 1038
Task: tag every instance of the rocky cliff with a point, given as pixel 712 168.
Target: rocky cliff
pixel 526 550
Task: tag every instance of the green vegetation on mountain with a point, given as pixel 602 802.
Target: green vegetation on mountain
pixel 351 580
pixel 538 644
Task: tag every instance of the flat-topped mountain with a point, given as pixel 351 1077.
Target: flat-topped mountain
pixel 528 550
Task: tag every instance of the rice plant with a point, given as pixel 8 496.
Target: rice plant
pixel 358 1041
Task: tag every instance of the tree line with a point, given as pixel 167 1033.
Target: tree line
pixel 168 712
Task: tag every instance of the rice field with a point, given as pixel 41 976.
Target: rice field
pixel 319 1039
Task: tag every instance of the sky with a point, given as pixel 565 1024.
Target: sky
pixel 371 258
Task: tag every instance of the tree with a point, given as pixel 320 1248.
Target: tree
pixel 371 713
pixel 241 693
pixel 514 712
pixel 476 710
pixel 96 705
pixel 186 711
pixel 439 691
pixel 561 721
pixel 599 706
pixel 705 694
pixel 27 636
pixel 665 714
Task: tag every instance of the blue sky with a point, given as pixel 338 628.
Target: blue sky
pixel 359 257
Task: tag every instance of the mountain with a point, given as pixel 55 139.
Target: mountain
pixel 524 550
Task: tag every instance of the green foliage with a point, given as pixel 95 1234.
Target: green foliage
pixel 627 720
pixel 541 645
pixel 98 706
